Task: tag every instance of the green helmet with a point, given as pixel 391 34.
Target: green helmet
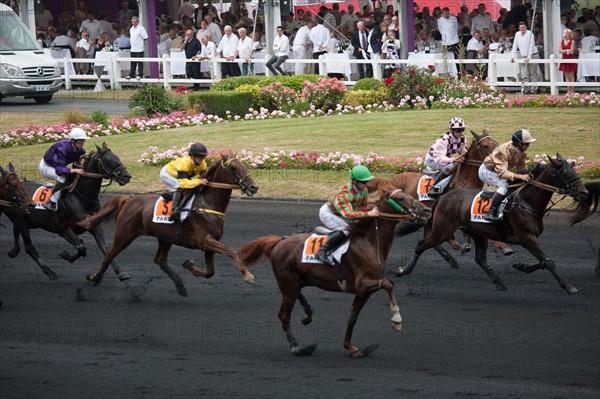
pixel 361 173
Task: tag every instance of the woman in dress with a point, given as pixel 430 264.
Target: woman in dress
pixel 567 49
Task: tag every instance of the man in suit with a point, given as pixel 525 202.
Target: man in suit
pixel 192 48
pixel 360 44
pixel 374 40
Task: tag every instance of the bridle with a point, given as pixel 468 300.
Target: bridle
pixel 234 173
pixel 17 199
pixel 568 181
pixel 404 213
pixel 107 172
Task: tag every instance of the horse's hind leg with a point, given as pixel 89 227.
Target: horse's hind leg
pixel 98 235
pixel 14 251
pixel 447 256
pixel 121 240
pixel 481 244
pixel 210 244
pixel 73 239
pixel 308 312
pixel 32 251
pixel 285 316
pixel 161 260
pixel 209 260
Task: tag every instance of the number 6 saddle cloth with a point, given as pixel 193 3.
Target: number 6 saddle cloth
pixel 314 243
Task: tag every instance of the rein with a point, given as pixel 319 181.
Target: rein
pixel 8 203
pixel 225 186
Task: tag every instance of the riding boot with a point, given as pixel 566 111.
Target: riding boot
pixel 492 214
pixel 175 212
pixel 325 253
pixel 52 203
pixel 436 190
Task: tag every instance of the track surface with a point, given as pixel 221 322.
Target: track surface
pixel 460 338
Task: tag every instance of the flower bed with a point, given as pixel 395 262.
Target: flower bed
pixel 335 161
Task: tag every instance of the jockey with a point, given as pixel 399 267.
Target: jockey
pixel 495 168
pixel 350 203
pixel 180 174
pixel 440 154
pixel 54 163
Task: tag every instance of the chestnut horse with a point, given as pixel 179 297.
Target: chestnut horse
pixel 13 192
pixel 522 223
pixel 362 267
pixel 202 229
pixel 75 203
pixel 465 176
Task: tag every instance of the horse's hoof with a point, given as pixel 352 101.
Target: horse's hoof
pixel 397 326
pixel 189 264
pixel 501 287
pixel 306 320
pixel 182 291
pixel 507 251
pixel 51 275
pixel 399 272
pixel 465 248
pixel 12 253
pixel 91 277
pixel 306 351
pixel 248 278
pixel 570 289
pixel 65 255
pixel 453 264
pixel 123 276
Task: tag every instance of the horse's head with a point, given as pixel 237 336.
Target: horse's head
pixel 105 162
pixel 14 190
pixel 238 173
pixel 397 201
pixel 566 179
pixel 485 143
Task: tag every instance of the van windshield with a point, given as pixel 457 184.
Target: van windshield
pixel 14 35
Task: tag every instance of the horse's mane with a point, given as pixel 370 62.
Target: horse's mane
pixel 587 207
pixel 362 226
pixel 537 170
pixel 209 174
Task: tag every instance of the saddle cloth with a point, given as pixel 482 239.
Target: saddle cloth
pixel 314 243
pixel 163 208
pixel 425 184
pixel 41 196
pixel 481 205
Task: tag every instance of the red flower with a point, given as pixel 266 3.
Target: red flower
pixel 439 80
pixel 431 67
pixel 388 81
pixel 412 72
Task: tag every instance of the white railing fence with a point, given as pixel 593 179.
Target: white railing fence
pixel 113 71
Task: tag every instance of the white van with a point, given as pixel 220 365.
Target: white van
pixel 25 70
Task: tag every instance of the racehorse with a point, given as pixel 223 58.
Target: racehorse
pixel 201 230
pixel 362 267
pixel 80 200
pixel 13 192
pixel 465 176
pixel 522 223
pixel 588 208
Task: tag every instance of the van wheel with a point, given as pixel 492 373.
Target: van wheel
pixel 43 99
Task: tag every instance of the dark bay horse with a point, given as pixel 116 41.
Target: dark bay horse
pixel 363 266
pixel 13 193
pixel 75 203
pixel 201 230
pixel 589 207
pixel 465 176
pixel 522 223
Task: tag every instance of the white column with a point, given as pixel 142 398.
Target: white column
pixel 552 33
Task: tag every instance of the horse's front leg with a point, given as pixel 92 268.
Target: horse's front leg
pixel 481 246
pixel 69 235
pixel 532 245
pixel 98 235
pixel 357 305
pixel 31 250
pixel 504 247
pixel 14 251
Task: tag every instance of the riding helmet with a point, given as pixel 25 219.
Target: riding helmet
pixel 361 173
pixel 77 134
pixel 522 136
pixel 198 150
pixel 457 123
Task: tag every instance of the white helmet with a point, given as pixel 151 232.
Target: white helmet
pixel 78 134
pixel 457 123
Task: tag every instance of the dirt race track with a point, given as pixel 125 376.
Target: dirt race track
pixel 460 337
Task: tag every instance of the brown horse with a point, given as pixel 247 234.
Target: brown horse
pixel 201 230
pixel 362 267
pixel 588 208
pixel 465 176
pixel 13 192
pixel 522 223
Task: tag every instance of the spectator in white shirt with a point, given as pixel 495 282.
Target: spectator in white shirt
pixel 524 44
pixel 215 30
pixel 301 47
pixel 91 25
pixel 319 36
pixel 482 20
pixel 84 49
pixel 137 36
pixel 448 27
pixel 228 49
pixel 244 52
pixel 281 47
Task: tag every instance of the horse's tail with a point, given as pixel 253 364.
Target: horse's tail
pixel 587 207
pixel 256 250
pixel 108 212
